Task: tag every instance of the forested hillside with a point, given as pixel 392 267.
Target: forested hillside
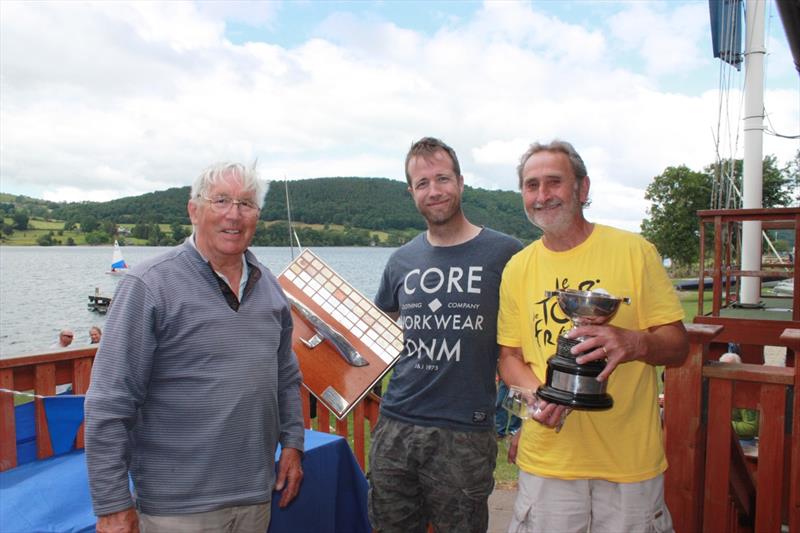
pixel 383 204
pixel 336 211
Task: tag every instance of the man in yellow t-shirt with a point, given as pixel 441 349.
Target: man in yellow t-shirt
pixel 602 469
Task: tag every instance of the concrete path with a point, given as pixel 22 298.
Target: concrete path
pixel 501 509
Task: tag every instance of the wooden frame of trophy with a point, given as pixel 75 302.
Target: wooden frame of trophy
pixel 343 342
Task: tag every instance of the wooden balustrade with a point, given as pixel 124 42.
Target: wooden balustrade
pixel 683 428
pixel 703 489
pixel 41 374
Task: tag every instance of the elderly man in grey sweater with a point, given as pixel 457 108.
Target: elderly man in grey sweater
pixel 195 383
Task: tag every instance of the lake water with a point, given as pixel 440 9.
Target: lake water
pixel 43 289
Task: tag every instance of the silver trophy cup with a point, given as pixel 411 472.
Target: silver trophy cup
pixel 569 383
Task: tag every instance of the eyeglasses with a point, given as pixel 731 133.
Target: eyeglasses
pixel 223 204
pixel 65 335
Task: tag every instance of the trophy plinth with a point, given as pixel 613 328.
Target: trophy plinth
pixel 569 383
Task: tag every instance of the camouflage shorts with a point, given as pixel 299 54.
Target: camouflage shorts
pixel 420 475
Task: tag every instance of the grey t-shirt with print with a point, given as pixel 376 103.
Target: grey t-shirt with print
pixel 447 297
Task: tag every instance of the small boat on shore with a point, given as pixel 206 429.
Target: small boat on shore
pixel 99 303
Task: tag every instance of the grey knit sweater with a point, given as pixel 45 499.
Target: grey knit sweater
pixel 187 395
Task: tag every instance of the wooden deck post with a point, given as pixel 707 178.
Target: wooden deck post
pixel 45 385
pixel 685 435
pixel 716 504
pixel 791 338
pixel 8 434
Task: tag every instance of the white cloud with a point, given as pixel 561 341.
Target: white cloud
pixel 666 39
pixel 123 99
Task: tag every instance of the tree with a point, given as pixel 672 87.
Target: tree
pixel 21 219
pixel 154 235
pixel 89 224
pixel 109 227
pixel 178 233
pixel 792 171
pixel 678 193
pixel 777 184
pixel 97 237
pixel 46 240
pixel 8 229
pixel 676 196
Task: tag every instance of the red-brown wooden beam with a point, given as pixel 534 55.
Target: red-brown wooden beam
pixel 718 455
pixel 769 495
pixel 685 435
pixel 8 435
pixel 791 339
pixel 45 386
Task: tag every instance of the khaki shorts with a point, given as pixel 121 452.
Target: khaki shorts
pixel 239 519
pixel 579 505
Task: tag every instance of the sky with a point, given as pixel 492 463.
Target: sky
pixel 102 100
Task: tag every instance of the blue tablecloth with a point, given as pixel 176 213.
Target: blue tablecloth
pixel 53 495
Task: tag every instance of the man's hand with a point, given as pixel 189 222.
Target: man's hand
pixel 512 447
pixel 126 521
pixel 667 344
pixel 614 344
pixel 290 475
pixel 550 414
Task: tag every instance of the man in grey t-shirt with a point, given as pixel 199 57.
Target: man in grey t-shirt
pixel 433 450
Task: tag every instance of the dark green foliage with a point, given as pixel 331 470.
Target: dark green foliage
pixel 165 207
pixel 47 240
pixel 21 219
pixel 109 227
pixel 361 205
pixel 777 184
pixel 384 204
pixel 8 229
pixel 679 192
pixel 672 226
pixel 374 203
pixel 178 233
pixel 98 237
pixel 89 223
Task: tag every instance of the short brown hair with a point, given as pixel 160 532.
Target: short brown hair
pixel 426 147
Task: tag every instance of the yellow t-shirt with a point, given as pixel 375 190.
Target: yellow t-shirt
pixel 624 443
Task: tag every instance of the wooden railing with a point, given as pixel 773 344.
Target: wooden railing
pixel 41 373
pixel 704 492
pixel 725 253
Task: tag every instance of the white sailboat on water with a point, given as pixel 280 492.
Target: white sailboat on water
pixel 118 264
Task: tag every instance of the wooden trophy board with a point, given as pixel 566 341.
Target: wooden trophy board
pixel 377 338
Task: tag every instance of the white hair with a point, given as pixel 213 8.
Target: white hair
pixel 730 357
pixel 220 171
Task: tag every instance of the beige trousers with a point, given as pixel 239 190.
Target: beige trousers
pixel 551 505
pixel 241 519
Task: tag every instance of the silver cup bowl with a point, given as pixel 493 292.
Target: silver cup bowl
pixel 587 307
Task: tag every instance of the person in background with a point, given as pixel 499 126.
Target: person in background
pixel 434 449
pixel 94 334
pixel 505 423
pixel 195 383
pixel 598 469
pixel 744 421
pixel 65 336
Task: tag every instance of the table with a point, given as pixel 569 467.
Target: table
pixel 53 494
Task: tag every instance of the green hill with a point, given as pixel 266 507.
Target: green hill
pixel 328 211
